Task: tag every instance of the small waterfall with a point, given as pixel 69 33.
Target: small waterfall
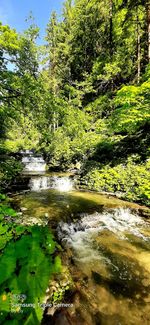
pixel 62 184
pixel 39 183
pixel 33 163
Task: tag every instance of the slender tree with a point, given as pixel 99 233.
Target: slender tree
pixel 138 47
pixel 148 26
pixel 111 27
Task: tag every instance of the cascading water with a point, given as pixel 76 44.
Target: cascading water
pixel 81 235
pixel 62 184
pixel 33 163
pixel 106 247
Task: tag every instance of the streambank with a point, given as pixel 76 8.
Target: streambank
pixel 143 210
pixel 130 181
pixel 105 246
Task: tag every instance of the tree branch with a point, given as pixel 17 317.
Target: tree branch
pixel 6 59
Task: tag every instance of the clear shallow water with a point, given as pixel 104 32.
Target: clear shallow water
pixel 107 249
pixel 82 234
pixel 111 251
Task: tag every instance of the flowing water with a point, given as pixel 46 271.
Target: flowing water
pixel 106 246
pixel 46 182
pixel 33 162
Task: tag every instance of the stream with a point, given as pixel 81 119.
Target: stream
pixel 105 244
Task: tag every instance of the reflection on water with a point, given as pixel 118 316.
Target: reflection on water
pixel 59 206
pixel 106 246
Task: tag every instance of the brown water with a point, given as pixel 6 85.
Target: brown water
pixel 106 245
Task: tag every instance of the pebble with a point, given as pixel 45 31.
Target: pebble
pixel 23 209
pixel 64 284
pixel 51 311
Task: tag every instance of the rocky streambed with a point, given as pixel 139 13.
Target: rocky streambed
pixel 104 245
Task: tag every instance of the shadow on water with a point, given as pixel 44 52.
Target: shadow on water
pixel 144 245
pixel 126 276
pixel 57 205
pixel 66 206
pixel 112 275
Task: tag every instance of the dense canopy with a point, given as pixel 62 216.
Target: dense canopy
pixel 83 96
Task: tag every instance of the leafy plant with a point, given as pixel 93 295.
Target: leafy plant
pixel 27 264
pixel 130 179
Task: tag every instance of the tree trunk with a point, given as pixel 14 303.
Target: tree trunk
pixel 148 27
pixel 138 56
pixel 54 122
pixel 111 27
pixel 138 49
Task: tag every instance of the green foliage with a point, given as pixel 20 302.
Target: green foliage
pixel 131 108
pixel 71 143
pixel 20 88
pixel 9 169
pixel 131 179
pixel 27 264
pixel 57 265
pixel 60 155
pixel 8 39
pixel 84 95
pixel 22 134
pixel 100 107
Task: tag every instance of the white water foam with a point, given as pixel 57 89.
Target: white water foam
pixel 62 184
pixel 80 241
pixel 80 235
pixel 118 221
pixel 38 183
pixel 33 163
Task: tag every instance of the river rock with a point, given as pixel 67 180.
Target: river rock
pixel 23 209
pixel 19 213
pixel 51 311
